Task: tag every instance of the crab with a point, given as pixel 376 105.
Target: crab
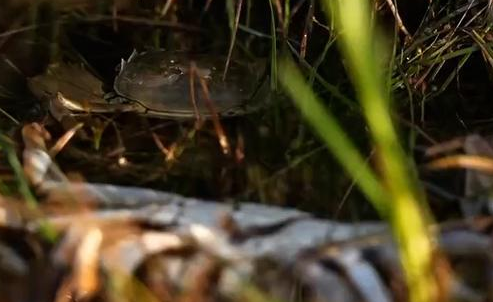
pixel 157 83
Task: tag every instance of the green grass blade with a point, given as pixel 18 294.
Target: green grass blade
pixel 47 230
pixel 6 145
pixel 359 45
pixel 331 133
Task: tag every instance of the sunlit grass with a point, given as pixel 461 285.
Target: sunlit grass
pixel 395 196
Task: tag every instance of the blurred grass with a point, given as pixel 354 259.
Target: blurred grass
pixel 7 146
pixel 396 195
pixel 332 134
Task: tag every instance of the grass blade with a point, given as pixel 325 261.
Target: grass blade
pixel 359 45
pixel 331 133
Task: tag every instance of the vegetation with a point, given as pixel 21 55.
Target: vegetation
pixel 357 90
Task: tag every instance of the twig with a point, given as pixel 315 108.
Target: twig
pixel 223 140
pixel 398 19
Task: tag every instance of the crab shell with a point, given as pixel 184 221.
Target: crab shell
pixel 161 81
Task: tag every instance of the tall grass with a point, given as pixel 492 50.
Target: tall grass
pixel 395 192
